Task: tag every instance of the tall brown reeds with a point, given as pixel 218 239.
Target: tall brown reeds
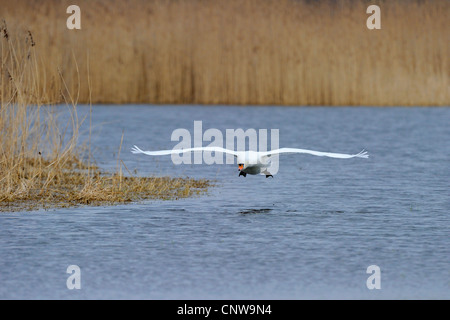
pixel 41 162
pixel 282 52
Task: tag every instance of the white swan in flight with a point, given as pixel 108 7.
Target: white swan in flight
pixel 253 162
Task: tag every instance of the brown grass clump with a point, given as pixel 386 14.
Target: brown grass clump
pixel 280 52
pixel 40 161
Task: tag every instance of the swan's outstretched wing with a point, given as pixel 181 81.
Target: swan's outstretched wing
pixel 135 149
pixel 362 154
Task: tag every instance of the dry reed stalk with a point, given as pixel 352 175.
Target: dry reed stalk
pixel 281 52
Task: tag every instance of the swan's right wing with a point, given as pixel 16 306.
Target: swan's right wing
pixel 136 149
pixel 362 154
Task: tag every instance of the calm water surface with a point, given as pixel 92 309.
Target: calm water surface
pixel 311 232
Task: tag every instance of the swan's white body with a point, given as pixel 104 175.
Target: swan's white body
pixel 253 162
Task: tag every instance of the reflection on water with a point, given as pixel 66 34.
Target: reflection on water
pixel 255 211
pixel 308 233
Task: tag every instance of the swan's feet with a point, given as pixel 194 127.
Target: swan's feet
pixel 269 175
pixel 242 173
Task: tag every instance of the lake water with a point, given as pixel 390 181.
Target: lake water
pixel 309 233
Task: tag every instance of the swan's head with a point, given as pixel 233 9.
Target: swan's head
pixel 241 166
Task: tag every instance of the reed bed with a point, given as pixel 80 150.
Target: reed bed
pixel 42 162
pixel 276 52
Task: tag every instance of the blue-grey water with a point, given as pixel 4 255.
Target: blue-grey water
pixel 311 232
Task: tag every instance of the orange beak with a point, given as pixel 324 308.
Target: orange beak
pixel 241 166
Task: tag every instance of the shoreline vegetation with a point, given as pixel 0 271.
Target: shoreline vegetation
pixel 240 52
pixel 43 165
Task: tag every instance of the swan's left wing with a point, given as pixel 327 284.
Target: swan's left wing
pixel 136 149
pixel 362 154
